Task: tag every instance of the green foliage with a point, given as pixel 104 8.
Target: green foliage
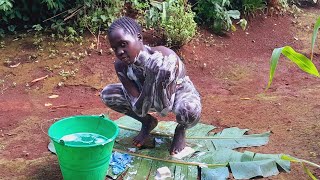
pixel 5 5
pixel 301 60
pixel 252 6
pixel 100 14
pixel 58 15
pixel 37 27
pixel 214 153
pixel 302 162
pixel 139 5
pixel 216 15
pixel 174 18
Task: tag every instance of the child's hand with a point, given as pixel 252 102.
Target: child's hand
pixel 154 63
pixel 167 71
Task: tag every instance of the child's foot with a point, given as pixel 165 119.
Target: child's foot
pixel 147 126
pixel 178 142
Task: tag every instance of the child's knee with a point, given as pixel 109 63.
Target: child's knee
pixel 105 94
pixel 188 114
pixel 111 95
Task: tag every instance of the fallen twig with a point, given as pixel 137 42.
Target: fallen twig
pixel 66 106
pixel 39 79
pixel 56 15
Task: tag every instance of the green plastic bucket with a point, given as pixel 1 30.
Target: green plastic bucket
pixel 89 161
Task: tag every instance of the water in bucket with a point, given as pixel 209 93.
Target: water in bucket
pixel 84 138
pixel 84 146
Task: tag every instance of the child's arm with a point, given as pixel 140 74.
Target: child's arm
pixel 131 89
pixel 146 98
pixel 140 102
pixel 166 84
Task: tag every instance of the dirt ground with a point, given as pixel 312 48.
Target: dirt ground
pixel 231 73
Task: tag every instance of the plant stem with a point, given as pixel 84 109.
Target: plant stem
pixel 171 161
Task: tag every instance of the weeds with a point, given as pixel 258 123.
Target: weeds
pixel 2 44
pixel 174 19
pixel 67 74
pixel 250 7
pixel 216 14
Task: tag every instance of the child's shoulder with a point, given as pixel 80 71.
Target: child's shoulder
pixel 164 50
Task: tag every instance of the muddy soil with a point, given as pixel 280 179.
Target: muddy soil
pixel 231 73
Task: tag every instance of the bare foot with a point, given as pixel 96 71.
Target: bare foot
pixel 147 126
pixel 179 140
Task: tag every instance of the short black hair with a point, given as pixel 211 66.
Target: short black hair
pixel 128 24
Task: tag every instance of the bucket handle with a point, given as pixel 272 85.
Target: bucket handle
pixel 104 116
pixel 60 141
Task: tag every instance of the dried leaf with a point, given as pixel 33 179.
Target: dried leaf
pixel 47 104
pixel 15 65
pixel 53 96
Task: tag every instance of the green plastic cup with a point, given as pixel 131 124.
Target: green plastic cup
pixel 86 161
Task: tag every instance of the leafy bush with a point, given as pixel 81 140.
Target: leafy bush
pixel 252 6
pixel 174 18
pixel 59 14
pixel 215 13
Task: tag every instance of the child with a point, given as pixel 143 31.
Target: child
pixel 152 79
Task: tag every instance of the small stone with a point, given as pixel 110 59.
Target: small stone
pixel 163 173
pixel 110 51
pixel 100 52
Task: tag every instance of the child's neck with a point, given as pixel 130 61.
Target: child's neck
pixel 143 56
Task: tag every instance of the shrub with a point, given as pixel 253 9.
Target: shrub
pixel 59 14
pixel 252 6
pixel 216 15
pixel 174 18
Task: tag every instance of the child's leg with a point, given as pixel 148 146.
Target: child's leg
pixel 187 107
pixel 114 97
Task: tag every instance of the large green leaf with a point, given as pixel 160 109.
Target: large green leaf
pixel 165 128
pixel 247 164
pixel 213 154
pixel 220 173
pixel 230 138
pixel 242 141
pixel 302 61
pixel 314 35
pixel 250 169
pixel 235 14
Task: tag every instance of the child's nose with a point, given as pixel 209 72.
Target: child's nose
pixel 120 51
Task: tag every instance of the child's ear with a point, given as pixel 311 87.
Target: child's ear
pixel 139 35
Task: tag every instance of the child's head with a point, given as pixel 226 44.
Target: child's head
pixel 125 37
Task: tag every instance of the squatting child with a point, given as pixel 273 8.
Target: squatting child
pixel 152 79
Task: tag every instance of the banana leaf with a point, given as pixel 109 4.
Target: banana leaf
pixel 220 173
pixel 214 153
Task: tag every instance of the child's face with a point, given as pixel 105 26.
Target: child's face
pixel 125 45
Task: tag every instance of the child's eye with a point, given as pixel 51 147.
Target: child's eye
pixel 123 44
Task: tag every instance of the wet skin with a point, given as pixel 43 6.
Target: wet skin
pixel 127 48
